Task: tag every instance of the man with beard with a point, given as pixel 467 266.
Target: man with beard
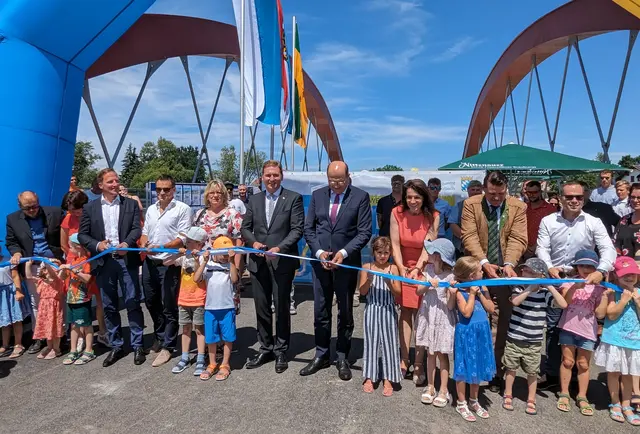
pixel 537 209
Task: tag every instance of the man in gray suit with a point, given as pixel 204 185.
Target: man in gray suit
pixel 274 222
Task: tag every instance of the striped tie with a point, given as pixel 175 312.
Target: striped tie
pixel 493 246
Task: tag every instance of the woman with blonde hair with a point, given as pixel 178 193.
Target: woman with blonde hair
pixel 217 218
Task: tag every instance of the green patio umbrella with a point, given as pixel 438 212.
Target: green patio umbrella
pixel 524 161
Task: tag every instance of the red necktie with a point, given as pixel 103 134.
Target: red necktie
pixel 334 209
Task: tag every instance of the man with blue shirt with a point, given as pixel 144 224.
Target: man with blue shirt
pixel 455 218
pixel 442 206
pixel 33 231
pixel 606 193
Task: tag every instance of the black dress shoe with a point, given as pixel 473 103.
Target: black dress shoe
pixel 138 356
pixel 260 360
pixel 113 356
pixel 314 366
pixel 344 372
pixel 35 347
pixel 281 363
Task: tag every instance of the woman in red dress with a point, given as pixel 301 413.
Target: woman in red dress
pixel 414 221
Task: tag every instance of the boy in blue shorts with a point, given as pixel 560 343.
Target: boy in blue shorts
pixel 221 274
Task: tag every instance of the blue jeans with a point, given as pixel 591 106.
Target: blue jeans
pixel 115 271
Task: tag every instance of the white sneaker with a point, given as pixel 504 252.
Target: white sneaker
pixel 80 346
pixel 292 309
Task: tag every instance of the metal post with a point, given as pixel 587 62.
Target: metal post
pixel 272 142
pixel 513 109
pixel 204 151
pixel 493 125
pixel 86 95
pixel 151 68
pixel 564 81
pixel 242 84
pixel 504 111
pixel 283 154
pixel 593 104
pixel 526 110
pixel 633 34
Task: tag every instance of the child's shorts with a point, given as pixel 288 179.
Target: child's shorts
pixel 573 340
pixel 188 315
pixel 219 325
pixel 524 355
pixel 79 314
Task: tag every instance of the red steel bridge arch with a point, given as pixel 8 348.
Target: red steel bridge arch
pixel 156 37
pixel 561 28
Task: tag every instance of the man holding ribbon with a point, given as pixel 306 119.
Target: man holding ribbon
pixel 273 223
pixel 113 221
pixel 494 231
pixel 337 228
pixel 560 237
pixel 166 223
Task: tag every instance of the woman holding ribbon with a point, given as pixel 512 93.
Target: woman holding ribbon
pixel 219 219
pixel 413 222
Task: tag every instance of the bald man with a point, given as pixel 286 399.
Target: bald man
pixel 33 230
pixel 337 228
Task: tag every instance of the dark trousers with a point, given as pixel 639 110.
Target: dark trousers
pixel 502 295
pixel 271 283
pixel 161 284
pixel 343 283
pixel 551 366
pixel 112 273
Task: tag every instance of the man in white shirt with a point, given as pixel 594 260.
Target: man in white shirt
pixel 560 237
pixel 622 207
pixel 165 223
pixel 606 193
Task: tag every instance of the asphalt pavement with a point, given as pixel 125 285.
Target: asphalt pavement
pixel 45 396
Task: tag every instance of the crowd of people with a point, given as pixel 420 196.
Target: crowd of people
pixel 422 237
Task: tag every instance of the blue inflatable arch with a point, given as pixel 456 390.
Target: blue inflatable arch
pixel 46 46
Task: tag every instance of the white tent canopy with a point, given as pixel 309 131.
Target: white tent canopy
pixel 454 183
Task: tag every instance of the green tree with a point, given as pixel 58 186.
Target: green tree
pixel 227 166
pixel 188 158
pixel 148 153
pixel 253 165
pixel 131 165
pixel 629 162
pixel 388 168
pixel 84 159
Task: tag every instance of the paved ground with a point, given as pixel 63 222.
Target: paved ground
pixel 39 396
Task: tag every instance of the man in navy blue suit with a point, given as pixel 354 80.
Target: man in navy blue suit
pixel 337 228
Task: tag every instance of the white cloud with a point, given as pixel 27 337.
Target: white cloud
pixel 459 47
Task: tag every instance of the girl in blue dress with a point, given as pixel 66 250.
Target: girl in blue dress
pixel 474 361
pixel 11 316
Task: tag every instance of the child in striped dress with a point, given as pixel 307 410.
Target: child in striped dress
pixel 380 319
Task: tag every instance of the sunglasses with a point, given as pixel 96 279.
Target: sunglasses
pixel 577 197
pixel 634 197
pixel 30 208
pixel 434 188
pixel 164 190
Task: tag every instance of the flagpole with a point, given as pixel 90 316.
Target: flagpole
pixel 273 142
pixel 242 95
pixel 293 84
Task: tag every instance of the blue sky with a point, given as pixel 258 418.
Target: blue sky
pixel 400 77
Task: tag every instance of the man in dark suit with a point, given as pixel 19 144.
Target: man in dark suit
pixel 34 230
pixel 114 221
pixel 274 222
pixel 337 227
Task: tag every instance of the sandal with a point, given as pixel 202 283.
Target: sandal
pixel 463 410
pixel 86 357
pixel 478 409
pixel 71 358
pixel 616 415
pixel 18 350
pixel 387 390
pixel 181 366
pixel 632 418
pixel 44 352
pixel 53 354
pixel 635 402
pixel 507 402
pixel 441 400
pixel 428 395
pixel 418 374
pixel 367 387
pixel 209 372
pixel 4 351
pixel 404 370
pixel 223 373
pixel 563 402
pixel 200 367
pixel 586 409
pixel 531 408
